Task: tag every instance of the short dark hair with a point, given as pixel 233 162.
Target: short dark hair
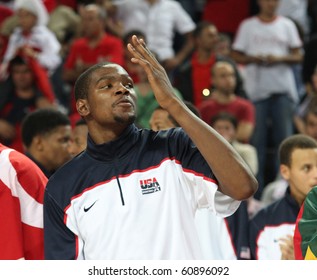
pixel 297 141
pixel 224 116
pixel 40 122
pixel 81 86
pixel 202 25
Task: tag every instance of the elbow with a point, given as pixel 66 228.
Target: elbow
pixel 249 188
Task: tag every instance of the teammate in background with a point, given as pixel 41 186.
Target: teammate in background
pixel 22 186
pixel 46 135
pixel 272 228
pixel 119 198
pixel 79 141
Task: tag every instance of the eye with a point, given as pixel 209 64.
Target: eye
pixel 307 168
pixel 129 85
pixel 107 86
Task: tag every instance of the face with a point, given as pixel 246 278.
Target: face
pixel 91 22
pixel 79 142
pixel 311 125
pixel 22 76
pixel 302 174
pixel 208 38
pixel 160 120
pixel 226 129
pixel 111 98
pixel 224 79
pixel 26 20
pixel 268 7
pixel 55 147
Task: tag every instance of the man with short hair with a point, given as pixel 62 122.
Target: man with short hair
pixel 272 228
pixel 133 193
pixel 46 135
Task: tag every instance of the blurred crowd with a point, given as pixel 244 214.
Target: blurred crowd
pixel 247 68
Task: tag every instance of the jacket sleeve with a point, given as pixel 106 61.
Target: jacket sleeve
pixel 59 241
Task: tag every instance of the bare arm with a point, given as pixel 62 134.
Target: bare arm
pixel 239 183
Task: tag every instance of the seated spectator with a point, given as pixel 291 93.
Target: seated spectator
pixel 22 186
pixel 193 79
pixel 46 135
pixel 32 37
pixel 26 89
pixel 224 99
pixel 272 228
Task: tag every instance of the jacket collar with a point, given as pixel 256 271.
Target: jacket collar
pixel 116 148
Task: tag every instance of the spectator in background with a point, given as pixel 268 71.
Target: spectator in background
pixel 194 78
pixel 22 186
pixel 26 89
pixel 272 228
pixel 46 135
pixel 224 99
pixel 32 37
pixel 95 46
pixel 224 45
pixel 159 20
pixel 268 45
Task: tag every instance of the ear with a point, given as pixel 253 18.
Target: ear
pixel 285 171
pixel 38 143
pixel 82 107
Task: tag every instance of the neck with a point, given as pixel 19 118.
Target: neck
pixel 204 55
pixel 223 97
pixel 267 17
pixel 100 135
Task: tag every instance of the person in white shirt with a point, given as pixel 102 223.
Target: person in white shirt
pixel 268 44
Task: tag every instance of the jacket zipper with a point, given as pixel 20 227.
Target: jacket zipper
pixel 118 181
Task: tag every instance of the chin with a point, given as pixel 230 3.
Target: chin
pixel 125 120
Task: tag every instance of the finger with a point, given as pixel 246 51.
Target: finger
pixel 142 48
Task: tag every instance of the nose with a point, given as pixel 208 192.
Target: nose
pixel 122 89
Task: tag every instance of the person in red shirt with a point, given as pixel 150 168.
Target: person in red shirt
pixel 22 185
pixel 224 99
pixel 193 79
pixel 95 46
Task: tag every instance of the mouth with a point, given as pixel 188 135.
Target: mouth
pixel 125 103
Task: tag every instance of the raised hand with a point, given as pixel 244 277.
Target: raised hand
pixel 156 74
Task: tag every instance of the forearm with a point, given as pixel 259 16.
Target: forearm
pixel 239 183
